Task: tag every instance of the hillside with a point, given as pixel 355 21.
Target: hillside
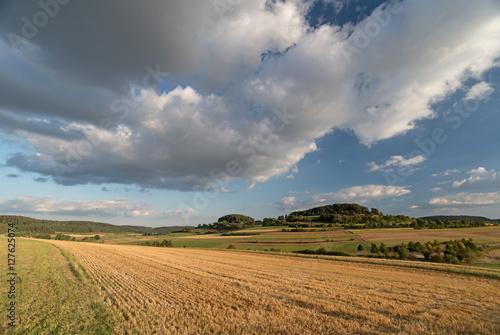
pixel 30 225
pixel 342 209
pixel 236 218
pixel 457 217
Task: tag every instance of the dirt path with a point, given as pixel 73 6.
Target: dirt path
pixel 493 257
pixel 359 238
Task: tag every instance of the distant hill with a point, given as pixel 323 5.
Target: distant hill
pixel 27 224
pixel 457 218
pixel 236 218
pixel 341 209
pixel 157 230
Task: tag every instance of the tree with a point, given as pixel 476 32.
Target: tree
pixel 403 251
pixel 97 237
pixel 236 218
pixel 427 253
pixel 374 248
pixel 167 243
pixel 383 248
pixel 360 247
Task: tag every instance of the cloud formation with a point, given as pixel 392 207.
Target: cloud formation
pixel 397 161
pixel 467 199
pixel 446 173
pixel 47 205
pixel 190 92
pixel 479 177
pixel 480 91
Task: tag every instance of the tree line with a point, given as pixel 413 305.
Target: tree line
pixel 453 251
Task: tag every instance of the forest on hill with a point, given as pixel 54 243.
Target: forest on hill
pixel 343 215
pixel 343 209
pixel 354 216
pixel 36 226
pixel 458 217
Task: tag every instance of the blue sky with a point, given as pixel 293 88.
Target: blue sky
pixel 175 113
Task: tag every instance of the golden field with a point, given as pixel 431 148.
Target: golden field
pixel 200 291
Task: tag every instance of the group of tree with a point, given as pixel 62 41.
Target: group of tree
pixel 322 251
pixel 35 226
pixel 31 227
pixel 162 244
pixel 441 224
pixel 343 209
pixel 280 221
pixel 453 251
pixel 228 223
pixel 63 237
pixel 354 216
pixel 91 238
pixel 456 218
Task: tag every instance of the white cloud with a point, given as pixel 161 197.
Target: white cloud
pixel 225 110
pixel 478 177
pixel 357 194
pixel 436 189
pixel 176 213
pixel 446 173
pixel 397 161
pixel 295 170
pixel 110 208
pixel 289 202
pixel 480 91
pixel 467 199
pixel 365 193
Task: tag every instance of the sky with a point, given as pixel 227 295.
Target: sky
pixel 166 113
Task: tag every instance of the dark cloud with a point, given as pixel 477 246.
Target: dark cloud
pixel 74 92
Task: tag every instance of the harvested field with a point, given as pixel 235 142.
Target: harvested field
pixel 194 291
pixel 317 235
pixel 292 242
pixel 210 237
pixel 250 230
pixel 492 257
pixel 480 235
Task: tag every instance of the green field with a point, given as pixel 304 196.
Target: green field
pixel 273 238
pixel 53 293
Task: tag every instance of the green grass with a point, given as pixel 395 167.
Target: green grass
pixel 260 227
pixel 487 265
pixel 54 294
